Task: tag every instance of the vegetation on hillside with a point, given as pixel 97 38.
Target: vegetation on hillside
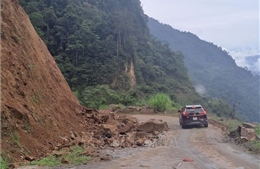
pixel 107 55
pixel 213 68
pixel 106 46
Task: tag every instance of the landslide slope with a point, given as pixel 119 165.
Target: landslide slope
pixel 37 105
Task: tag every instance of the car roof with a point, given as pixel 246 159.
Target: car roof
pixel 193 106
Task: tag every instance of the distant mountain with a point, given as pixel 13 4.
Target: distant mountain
pixel 212 68
pixel 253 64
pixel 252 59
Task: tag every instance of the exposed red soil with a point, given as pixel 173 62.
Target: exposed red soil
pixel 37 105
pixel 39 112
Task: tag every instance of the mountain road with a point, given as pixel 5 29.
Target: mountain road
pixel 191 148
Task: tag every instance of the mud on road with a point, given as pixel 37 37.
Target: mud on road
pixel 202 148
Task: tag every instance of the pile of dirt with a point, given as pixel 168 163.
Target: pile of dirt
pixel 111 130
pixel 39 112
pixel 114 130
pixel 37 105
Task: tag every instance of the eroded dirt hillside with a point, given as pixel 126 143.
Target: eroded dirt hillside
pixel 37 105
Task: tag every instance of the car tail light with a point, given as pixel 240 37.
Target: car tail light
pixel 184 113
pixel 204 112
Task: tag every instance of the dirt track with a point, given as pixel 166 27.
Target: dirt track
pixel 203 145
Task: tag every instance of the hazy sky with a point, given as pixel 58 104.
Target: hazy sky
pixel 231 24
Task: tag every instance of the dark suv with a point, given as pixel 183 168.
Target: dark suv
pixel 193 115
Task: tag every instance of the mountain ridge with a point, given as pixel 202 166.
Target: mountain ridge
pixel 211 66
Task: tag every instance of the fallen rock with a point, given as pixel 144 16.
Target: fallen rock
pixel 29 158
pixel 148 143
pixel 115 143
pixel 248 133
pixel 249 125
pixel 105 157
pixel 112 130
pixel 140 134
pixel 126 127
pixel 64 161
pixel 14 165
pixel 140 142
pixel 152 125
pixel 60 153
pixel 106 130
pixel 125 118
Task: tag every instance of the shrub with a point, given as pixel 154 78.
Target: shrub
pixel 160 102
pixel 100 96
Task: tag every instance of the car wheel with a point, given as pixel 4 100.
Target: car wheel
pixel 206 125
pixel 183 126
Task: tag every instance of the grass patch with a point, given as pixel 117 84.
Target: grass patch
pixel 231 124
pixel 253 146
pixel 73 157
pixel 3 163
pixel 50 161
pixel 257 129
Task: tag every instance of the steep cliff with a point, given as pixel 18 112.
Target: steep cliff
pixel 37 105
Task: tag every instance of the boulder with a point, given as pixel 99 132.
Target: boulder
pixel 148 143
pixel 29 158
pixel 249 125
pixel 126 118
pixel 140 142
pixel 140 134
pixel 64 161
pixel 115 143
pixel 248 133
pixel 126 127
pixel 106 130
pixel 152 125
pixel 105 157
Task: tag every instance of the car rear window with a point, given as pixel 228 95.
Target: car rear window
pixel 194 110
